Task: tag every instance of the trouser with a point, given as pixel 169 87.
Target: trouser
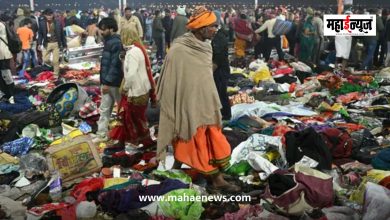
pixel 106 106
pixel 6 81
pixel 160 47
pixel 28 58
pixel 271 43
pixel 52 48
pixel 221 76
pixel 380 51
pixel 34 53
pixel 387 63
pixel 317 50
pixel 368 61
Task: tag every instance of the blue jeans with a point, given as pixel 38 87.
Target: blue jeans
pixel 27 56
pixel 368 61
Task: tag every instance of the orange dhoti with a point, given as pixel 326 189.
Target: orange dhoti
pixel 240 47
pixel 208 151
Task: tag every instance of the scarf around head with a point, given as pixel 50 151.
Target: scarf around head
pixel 201 18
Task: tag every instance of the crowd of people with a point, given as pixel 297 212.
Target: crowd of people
pixel 193 43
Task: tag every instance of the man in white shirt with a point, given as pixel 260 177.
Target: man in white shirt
pixel 271 41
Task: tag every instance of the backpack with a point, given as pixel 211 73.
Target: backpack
pixel 307 143
pixel 339 142
pixel 281 27
pixel 14 44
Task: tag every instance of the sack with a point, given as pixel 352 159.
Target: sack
pixel 66 103
pixel 14 44
pixel 281 27
pixel 74 157
pixel 68 107
pixel 339 142
pixel 302 190
pixel 308 143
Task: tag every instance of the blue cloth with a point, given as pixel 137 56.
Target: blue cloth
pixel 85 128
pixel 18 147
pixel 22 104
pixel 382 160
pixel 124 200
pixel 111 66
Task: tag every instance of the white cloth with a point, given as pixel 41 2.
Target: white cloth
pixel 269 25
pixel 260 109
pixel 90 41
pixel 5 54
pixel 343 46
pixel 136 78
pixel 257 143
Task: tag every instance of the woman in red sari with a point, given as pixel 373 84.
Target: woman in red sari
pixel 137 88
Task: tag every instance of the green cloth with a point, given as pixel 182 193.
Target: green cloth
pixel 307 41
pixel 183 210
pixel 348 88
pixel 173 174
pixel 239 169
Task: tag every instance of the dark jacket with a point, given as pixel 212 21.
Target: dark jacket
pixel 157 28
pixel 387 34
pixel 220 45
pixel 42 34
pixel 167 24
pixel 111 73
pixel 178 27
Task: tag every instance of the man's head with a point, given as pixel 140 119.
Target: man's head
pixel 49 14
pixel 167 12
pixel 27 22
pixel 108 26
pixel 203 24
pixel 128 13
pixel 157 13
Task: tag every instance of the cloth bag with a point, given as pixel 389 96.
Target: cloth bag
pixel 73 157
pixel 310 189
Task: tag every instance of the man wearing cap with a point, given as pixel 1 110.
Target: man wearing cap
pixel 51 39
pixel 190 117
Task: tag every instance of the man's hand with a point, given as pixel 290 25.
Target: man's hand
pixel 105 89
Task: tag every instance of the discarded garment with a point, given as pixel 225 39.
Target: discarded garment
pixel 18 147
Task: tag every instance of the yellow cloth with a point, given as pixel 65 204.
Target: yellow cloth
pixel 240 46
pixel 114 181
pixel 71 135
pixel 7 159
pixel 201 18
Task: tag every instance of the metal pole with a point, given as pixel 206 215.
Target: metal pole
pixel 32 5
pixel 120 5
pixel 124 4
pixel 256 3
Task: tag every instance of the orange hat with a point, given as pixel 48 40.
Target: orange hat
pixel 201 18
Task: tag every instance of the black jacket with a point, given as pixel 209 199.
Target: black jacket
pixel 387 34
pixel 111 73
pixel 220 45
pixel 42 34
pixel 157 28
pixel 167 22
